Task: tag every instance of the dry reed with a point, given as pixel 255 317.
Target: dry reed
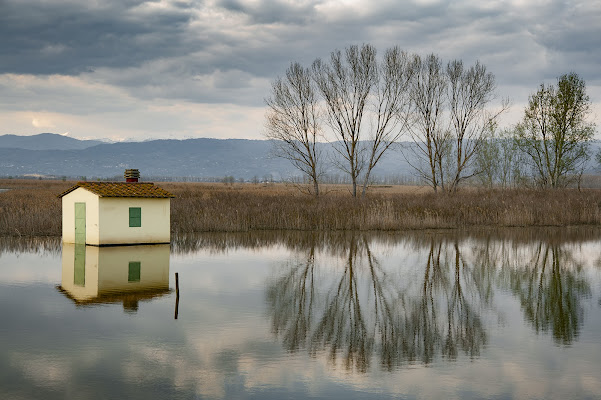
pixel 31 208
pixel 213 208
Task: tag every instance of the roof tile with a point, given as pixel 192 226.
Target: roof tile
pixel 121 189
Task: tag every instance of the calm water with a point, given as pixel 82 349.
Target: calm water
pixel 503 315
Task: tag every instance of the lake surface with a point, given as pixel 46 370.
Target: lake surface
pixel 507 314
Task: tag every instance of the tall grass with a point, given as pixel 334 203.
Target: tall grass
pixel 31 208
pixel 207 208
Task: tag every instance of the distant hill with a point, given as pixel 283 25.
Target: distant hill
pixel 196 159
pixel 191 158
pixel 45 141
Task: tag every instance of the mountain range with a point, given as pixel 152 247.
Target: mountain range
pixel 55 155
pixel 45 141
pixel 52 155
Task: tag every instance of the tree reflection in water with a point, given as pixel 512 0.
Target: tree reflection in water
pixel 444 319
pixel 291 297
pixel 550 287
pixel 359 312
pixel 362 311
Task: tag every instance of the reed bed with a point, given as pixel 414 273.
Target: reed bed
pixel 31 208
pixel 216 209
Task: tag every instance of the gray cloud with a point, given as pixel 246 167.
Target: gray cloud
pixel 65 37
pixel 227 51
pixel 273 11
pixel 262 37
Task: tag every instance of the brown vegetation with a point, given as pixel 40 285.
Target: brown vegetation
pixel 31 208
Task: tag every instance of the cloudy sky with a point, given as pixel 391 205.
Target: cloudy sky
pixel 137 69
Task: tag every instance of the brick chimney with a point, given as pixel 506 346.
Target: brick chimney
pixel 131 175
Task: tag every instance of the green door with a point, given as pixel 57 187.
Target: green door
pixel 79 270
pixel 80 222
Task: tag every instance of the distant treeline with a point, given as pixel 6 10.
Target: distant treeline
pixel 399 179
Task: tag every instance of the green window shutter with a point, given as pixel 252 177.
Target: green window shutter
pixel 135 217
pixel 133 274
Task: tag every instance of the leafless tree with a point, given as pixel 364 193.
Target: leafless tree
pixel 367 105
pixel 391 105
pixel 452 118
pixel 430 134
pixel 470 93
pixel 293 122
pixel 345 84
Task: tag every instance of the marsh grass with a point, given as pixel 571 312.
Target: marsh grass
pixel 213 208
pixel 31 208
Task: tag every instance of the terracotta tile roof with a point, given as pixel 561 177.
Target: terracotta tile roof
pixel 122 189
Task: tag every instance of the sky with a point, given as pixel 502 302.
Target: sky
pixel 140 70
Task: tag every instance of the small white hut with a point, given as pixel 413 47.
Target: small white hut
pixel 116 213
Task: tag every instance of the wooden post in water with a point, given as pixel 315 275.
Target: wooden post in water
pixel 176 294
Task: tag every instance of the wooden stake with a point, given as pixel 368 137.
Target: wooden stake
pixel 176 294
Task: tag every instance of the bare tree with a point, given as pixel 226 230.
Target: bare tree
pixel 345 84
pixel 470 92
pixel 367 105
pixel 555 133
pixel 429 132
pixel 391 106
pixel 293 122
pixel 451 119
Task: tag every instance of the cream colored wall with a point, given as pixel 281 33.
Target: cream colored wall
pixel 80 195
pixel 107 270
pixel 113 267
pixel 90 289
pixel 115 229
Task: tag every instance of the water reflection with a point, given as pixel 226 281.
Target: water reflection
pixel 444 317
pixel 362 310
pixel 420 315
pixel 128 274
pixel 35 245
pixel 346 304
pixel 224 242
pixel 549 284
